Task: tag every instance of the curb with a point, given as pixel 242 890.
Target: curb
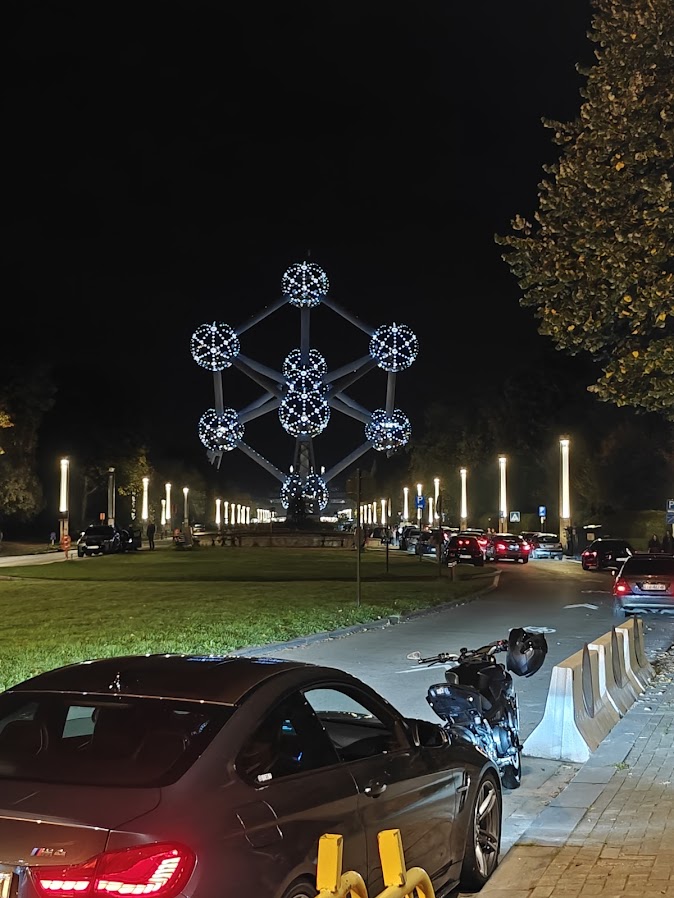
pixel 392 620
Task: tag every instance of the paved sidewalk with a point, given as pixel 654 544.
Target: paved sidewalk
pixel 610 832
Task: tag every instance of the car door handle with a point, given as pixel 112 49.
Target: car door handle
pixel 374 789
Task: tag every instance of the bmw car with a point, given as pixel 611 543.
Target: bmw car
pixel 179 775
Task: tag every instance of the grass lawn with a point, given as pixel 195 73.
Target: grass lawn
pixel 210 600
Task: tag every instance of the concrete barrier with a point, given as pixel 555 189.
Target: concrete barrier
pixel 589 692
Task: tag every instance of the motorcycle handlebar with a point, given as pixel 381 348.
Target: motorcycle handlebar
pixel 499 645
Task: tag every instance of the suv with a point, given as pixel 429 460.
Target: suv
pixel 99 539
pixel 465 548
pixel 605 554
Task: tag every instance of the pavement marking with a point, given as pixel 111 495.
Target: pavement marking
pixel 584 605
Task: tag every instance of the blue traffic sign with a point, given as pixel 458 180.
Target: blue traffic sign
pixel 420 502
pixel 669 517
pixel 542 511
pixel 670 506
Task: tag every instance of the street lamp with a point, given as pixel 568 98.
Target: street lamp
pixel 383 511
pixel 503 500
pixel 186 513
pixel 564 493
pixel 430 510
pixel 144 513
pixel 63 498
pixel 167 487
pixel 419 495
pixel 464 499
pixel 406 504
pixel 226 504
pixel 218 503
pixel 163 514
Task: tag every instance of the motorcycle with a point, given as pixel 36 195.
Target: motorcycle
pixel 478 699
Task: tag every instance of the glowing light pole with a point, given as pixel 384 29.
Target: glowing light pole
pixel 383 511
pixel 406 504
pixel 564 493
pixel 503 499
pixel 419 508
pixel 167 487
pixel 144 513
pixel 436 496
pixel 464 498
pixel 186 510
pixel 218 519
pixel 431 506
pixel 226 504
pixel 63 498
pixel 163 514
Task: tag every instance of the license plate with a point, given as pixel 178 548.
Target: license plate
pixel 659 586
pixel 465 556
pixel 5 884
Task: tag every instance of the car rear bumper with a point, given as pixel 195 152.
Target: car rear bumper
pixel 634 604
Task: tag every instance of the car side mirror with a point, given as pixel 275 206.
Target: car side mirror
pixel 427 734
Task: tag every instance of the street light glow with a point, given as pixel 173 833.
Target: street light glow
pixel 419 494
pixel 406 503
pixel 218 503
pixel 503 499
pixel 63 495
pixel 167 487
pixel 186 490
pixel 383 511
pixel 565 498
pixel 464 495
pixel 163 512
pixel 144 513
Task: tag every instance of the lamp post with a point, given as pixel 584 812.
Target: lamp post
pixel 63 499
pixel 564 495
pixel 111 496
pixel 218 503
pixel 406 504
pixel 431 507
pixel 163 515
pixel 383 511
pixel 436 484
pixel 186 509
pixel 503 498
pixel 419 509
pixel 226 504
pixel 463 472
pixel 144 513
pixel 167 487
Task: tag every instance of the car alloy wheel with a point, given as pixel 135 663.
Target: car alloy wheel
pixel 483 839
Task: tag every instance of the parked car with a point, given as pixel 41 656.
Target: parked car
pixel 605 554
pixel 413 539
pixel 173 774
pixel 465 549
pixel 479 534
pixel 645 582
pixel 508 547
pixel 545 545
pixel 407 533
pixel 99 539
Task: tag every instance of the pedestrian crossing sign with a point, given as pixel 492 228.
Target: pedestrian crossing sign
pixel 514 517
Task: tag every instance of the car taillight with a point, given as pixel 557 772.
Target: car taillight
pixel 160 869
pixel 526 547
pixel 500 547
pixel 483 543
pixel 620 586
pixel 588 554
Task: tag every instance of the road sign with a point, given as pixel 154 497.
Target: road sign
pixel 669 517
pixel 670 506
pixel 514 517
pixel 542 511
pixel 420 502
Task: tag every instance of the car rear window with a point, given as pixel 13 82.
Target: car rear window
pixel 55 738
pixel 548 539
pixel 100 531
pixel 648 564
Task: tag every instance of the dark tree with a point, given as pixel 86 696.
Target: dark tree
pixel 597 263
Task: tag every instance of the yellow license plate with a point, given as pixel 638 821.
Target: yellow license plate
pixel 5 884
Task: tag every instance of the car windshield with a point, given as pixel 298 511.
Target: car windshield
pixel 79 739
pixel 100 530
pixel 648 564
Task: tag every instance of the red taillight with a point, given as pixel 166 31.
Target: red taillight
pixel 500 547
pixel 526 547
pixel 160 869
pixel 620 586
pixel 588 554
pixel 482 542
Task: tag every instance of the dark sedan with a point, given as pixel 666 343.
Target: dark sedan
pixel 508 547
pixel 99 539
pixel 645 583
pixel 605 555
pixel 177 775
pixel 465 550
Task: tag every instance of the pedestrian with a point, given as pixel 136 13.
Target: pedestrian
pixel 52 538
pixel 151 530
pixel 65 545
pixel 654 544
pixel 667 543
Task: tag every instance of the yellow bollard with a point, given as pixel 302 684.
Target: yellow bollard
pixel 399 881
pixel 330 881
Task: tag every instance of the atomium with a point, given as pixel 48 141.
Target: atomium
pixel 388 432
pixel 394 347
pixel 291 488
pixel 304 394
pixel 316 490
pixel 220 432
pixel 215 346
pixel 304 413
pixel 305 284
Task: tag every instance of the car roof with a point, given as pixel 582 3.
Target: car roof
pixel 224 679
pixel 609 540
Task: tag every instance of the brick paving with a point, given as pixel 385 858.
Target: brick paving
pixel 610 832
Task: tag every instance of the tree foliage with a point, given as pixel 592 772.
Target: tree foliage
pixel 597 264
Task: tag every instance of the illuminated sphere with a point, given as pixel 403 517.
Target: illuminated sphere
pixel 304 413
pixel 387 432
pixel 214 346
pixel 305 284
pixel 313 372
pixel 394 347
pixel 291 488
pixel 316 490
pixel 220 433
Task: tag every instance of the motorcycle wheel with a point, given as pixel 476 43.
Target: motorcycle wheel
pixel 483 838
pixel 511 776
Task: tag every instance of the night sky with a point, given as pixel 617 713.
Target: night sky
pixel 167 161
